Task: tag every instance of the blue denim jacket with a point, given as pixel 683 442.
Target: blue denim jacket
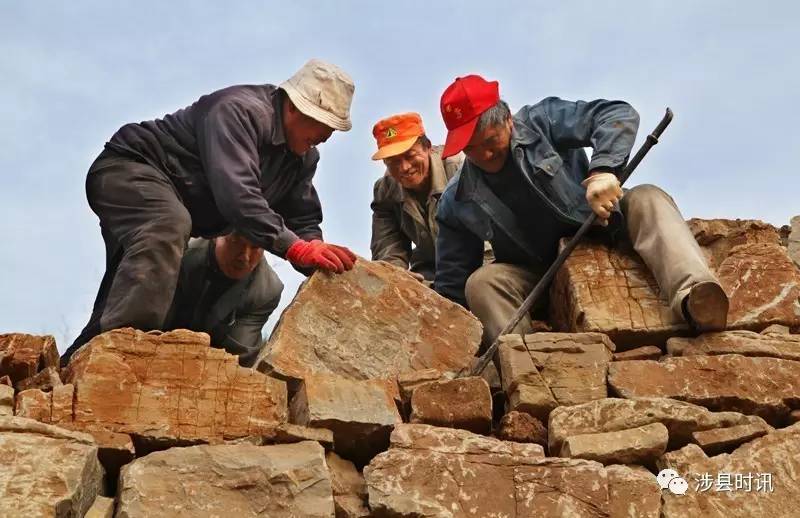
pixel 547 145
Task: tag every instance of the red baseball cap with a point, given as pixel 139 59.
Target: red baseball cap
pixel 461 105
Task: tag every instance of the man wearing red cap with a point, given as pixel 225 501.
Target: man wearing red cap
pixel 406 197
pixel 526 182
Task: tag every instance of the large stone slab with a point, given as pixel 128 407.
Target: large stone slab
pixel 460 403
pixel 47 471
pixel 23 355
pixel 361 414
pixel 439 472
pixel 371 322
pixel 612 414
pixel 171 387
pixel 766 387
pixel 746 343
pixel 611 290
pixel 242 480
pixel 761 478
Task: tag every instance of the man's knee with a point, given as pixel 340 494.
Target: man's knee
pixel 479 283
pixel 643 197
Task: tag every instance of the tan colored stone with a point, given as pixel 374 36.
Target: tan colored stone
pixel 460 403
pixel 440 472
pixel 611 291
pixel 238 480
pixel 794 241
pixel 5 380
pixel 61 404
pixel 34 404
pixel 680 460
pixel 360 414
pixel 722 440
pixel 349 488
pixel 6 400
pixel 23 355
pixel 409 381
pixel 794 416
pixel 633 493
pixel 573 366
pixel 46 379
pixel 647 352
pixel 612 414
pixel 746 343
pixel 776 454
pixel 170 389
pixel 47 471
pixel 776 329
pixel 536 400
pixel 522 427
pixel 103 507
pixel 767 387
pixel 641 445
pixel 288 433
pixel 371 322
pixel 114 450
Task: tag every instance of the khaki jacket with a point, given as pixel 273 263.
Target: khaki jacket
pixel 398 220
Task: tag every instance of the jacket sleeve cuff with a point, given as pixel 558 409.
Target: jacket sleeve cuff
pixel 282 243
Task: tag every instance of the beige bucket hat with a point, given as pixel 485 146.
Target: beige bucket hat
pixel 322 91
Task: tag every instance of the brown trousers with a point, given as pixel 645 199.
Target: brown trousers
pixel 658 233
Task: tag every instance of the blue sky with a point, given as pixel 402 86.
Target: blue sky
pixel 73 72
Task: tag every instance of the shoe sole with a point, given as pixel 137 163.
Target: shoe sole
pixel 708 306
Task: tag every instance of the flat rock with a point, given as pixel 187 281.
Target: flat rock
pixel 103 507
pixel 766 387
pixel 766 471
pixel 47 471
pixel 361 414
pixel 23 355
pixel 647 352
pixel 241 480
pixel 374 321
pixel 640 445
pixel 349 488
pixel 34 404
pixel 459 403
pixel 633 492
pixel 288 433
pixel 612 414
pixel 437 472
pixel 170 389
pixel 611 290
pixel 522 427
pixel 746 343
pixel 720 440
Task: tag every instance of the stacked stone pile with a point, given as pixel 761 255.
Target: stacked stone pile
pixel 354 410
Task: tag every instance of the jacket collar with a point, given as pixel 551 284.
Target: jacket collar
pixel 278 137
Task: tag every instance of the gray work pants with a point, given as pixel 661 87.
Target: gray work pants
pixel 145 227
pixel 659 235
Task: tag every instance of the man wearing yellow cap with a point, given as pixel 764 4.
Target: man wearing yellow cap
pixel 406 197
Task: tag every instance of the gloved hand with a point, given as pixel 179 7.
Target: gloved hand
pixel 603 191
pixel 316 254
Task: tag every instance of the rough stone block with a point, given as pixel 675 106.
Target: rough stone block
pixel 611 290
pixel 641 445
pixel 6 400
pixel 349 488
pixel 171 389
pixel 47 471
pixel 61 404
pixel 46 379
pixel 432 471
pixel 239 480
pixel 773 463
pixel 361 414
pixel 288 433
pixel 766 387
pixel 612 414
pixel 522 427
pixel 34 404
pixel 103 507
pixel 460 403
pixel 371 322
pixel 721 440
pixel 746 343
pixel 410 381
pixel 23 355
pixel 633 493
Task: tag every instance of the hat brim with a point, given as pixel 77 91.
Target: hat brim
pixel 306 107
pixel 458 138
pixel 395 148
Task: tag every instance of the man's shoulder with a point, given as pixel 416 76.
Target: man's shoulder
pixel 387 188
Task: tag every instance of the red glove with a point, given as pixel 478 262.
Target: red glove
pixel 316 254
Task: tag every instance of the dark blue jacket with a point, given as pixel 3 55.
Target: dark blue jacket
pixel 547 146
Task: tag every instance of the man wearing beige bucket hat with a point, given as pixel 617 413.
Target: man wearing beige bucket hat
pixel 406 196
pixel 241 159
